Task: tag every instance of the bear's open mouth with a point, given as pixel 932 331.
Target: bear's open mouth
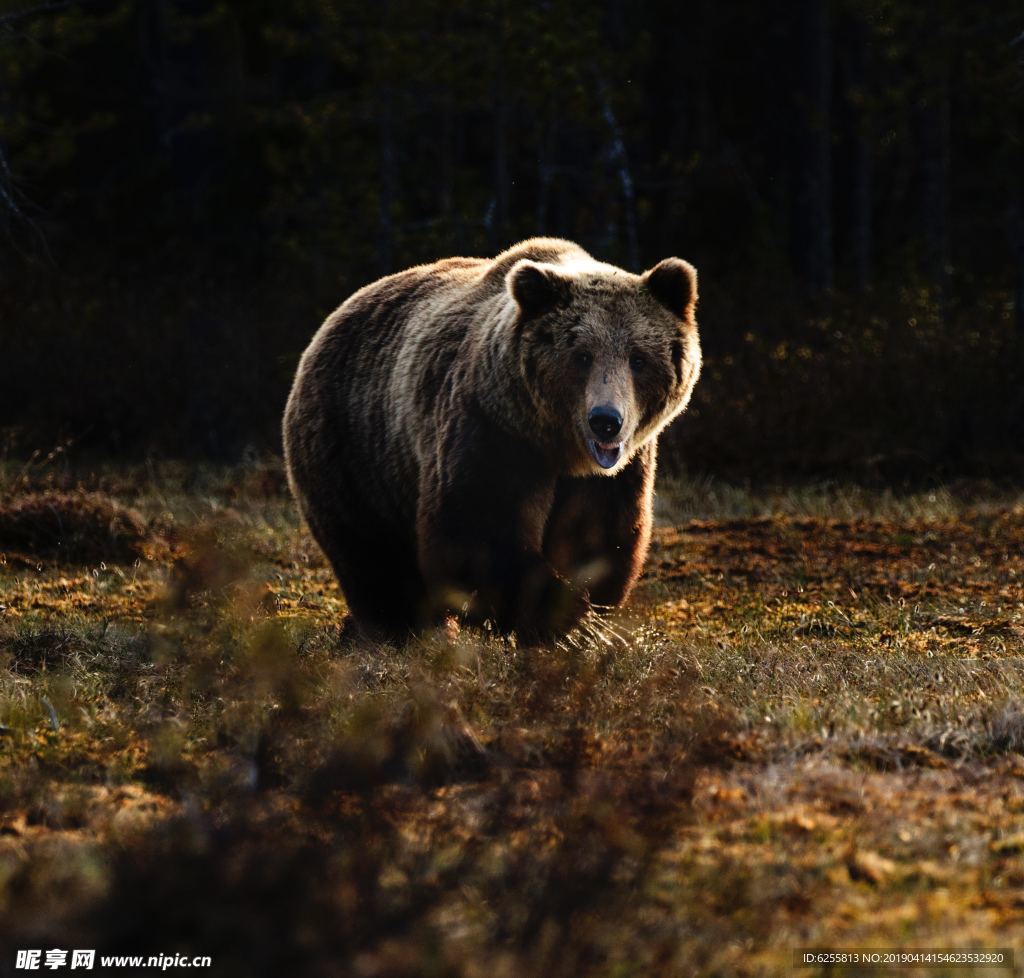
pixel 604 454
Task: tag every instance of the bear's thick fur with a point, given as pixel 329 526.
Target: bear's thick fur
pixel 478 436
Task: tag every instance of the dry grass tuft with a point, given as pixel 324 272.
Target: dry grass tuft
pixel 73 528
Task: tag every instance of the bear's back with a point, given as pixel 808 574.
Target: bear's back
pixel 365 398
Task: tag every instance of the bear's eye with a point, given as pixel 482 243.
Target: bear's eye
pixel 636 362
pixel 582 359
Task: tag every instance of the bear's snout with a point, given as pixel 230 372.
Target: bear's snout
pixel 605 422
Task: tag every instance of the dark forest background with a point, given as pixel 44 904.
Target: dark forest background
pixel 188 187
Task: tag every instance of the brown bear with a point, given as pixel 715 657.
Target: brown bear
pixel 478 436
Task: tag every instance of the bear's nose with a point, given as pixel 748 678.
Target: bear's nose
pixel 605 422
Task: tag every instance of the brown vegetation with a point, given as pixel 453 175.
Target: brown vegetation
pixel 71 527
pixel 807 730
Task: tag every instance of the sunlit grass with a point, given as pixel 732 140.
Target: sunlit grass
pixel 806 728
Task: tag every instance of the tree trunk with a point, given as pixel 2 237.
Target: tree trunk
pixel 546 135
pixel 619 159
pixel 1015 229
pixel 388 189
pixel 499 227
pixel 450 218
pixel 860 158
pixel 933 141
pixel 813 219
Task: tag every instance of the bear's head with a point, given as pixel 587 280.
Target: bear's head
pixel 608 358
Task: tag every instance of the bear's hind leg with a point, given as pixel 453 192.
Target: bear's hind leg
pixel 381 584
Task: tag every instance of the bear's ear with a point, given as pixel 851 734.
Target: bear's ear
pixel 673 282
pixel 536 288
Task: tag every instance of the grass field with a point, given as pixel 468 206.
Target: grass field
pixel 806 730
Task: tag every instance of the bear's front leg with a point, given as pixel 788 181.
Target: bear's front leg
pixel 600 528
pixel 483 505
